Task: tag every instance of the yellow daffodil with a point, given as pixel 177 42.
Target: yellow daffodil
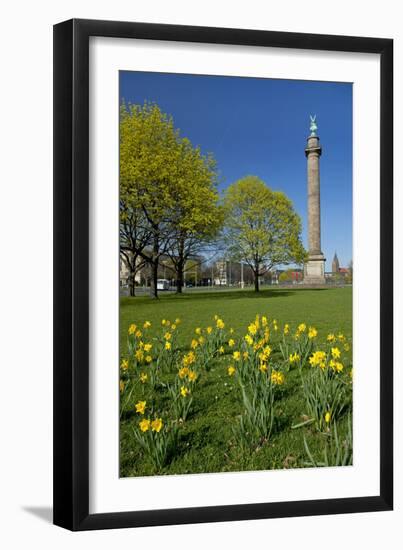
pixel 331 338
pixel 177 321
pixel 140 407
pixel 264 321
pixel 201 340
pixel 286 329
pixel 249 339
pixel 124 364
pixel 184 371
pixel 294 357
pixel 263 367
pixel 245 355
pixel 147 324
pixel 252 329
pixel 148 358
pixel 318 358
pixel 277 377
pixel 188 359
pixel 335 353
pixel 236 355
pixel 156 425
pixel 209 330
pixel 302 327
pixel 339 366
pixel 267 351
pixel 220 323
pixel 139 355
pixel 163 322
pixel 143 377
pixel 198 331
pixel 138 334
pixel 327 417
pixel 185 391
pixel 231 331
pixel 346 347
pixel 341 337
pixel 132 329
pixel 121 386
pixel 168 346
pixel 231 343
pixel 173 327
pixel 147 347
pixel 221 350
pixel 194 344
pixel 144 425
pixel 192 376
pixel 231 370
pixel 312 333
pixel 167 336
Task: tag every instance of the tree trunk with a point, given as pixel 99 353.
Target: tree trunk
pixel 180 266
pixel 154 267
pixel 132 284
pixel 154 280
pixel 256 275
pixel 179 279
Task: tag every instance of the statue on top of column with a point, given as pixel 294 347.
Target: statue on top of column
pixel 313 127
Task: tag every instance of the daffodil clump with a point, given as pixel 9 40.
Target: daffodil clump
pixel 211 342
pixel 326 388
pixel 154 436
pixel 182 389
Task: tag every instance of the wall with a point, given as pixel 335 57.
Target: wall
pixel 26 280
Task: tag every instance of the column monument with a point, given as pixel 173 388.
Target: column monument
pixel 314 268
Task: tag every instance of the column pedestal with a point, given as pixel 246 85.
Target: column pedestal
pixel 314 270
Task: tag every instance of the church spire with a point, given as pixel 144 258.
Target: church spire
pixel 335 264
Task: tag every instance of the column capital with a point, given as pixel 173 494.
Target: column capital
pixel 313 147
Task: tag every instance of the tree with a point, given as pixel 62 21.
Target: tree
pixel 261 227
pixel 286 276
pixel 198 215
pixel 149 152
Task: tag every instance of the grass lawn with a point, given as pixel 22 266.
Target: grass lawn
pixel 206 442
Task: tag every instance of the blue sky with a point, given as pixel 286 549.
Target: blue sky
pixel 259 127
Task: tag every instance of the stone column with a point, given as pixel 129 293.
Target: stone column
pixel 314 269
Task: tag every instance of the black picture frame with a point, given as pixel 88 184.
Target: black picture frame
pixel 71 274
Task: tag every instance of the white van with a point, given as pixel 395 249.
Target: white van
pixel 162 284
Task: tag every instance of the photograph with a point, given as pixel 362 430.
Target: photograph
pixel 236 273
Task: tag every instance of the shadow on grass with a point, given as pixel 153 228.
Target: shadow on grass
pixel 213 295
pixel 224 294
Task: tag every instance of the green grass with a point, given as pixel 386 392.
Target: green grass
pixel 206 441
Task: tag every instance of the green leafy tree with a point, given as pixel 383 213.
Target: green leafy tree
pixel 286 276
pixel 149 154
pixel 198 215
pixel 261 227
pixel 169 200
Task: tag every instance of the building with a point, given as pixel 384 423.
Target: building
pixel 124 271
pixel 220 275
pixel 335 264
